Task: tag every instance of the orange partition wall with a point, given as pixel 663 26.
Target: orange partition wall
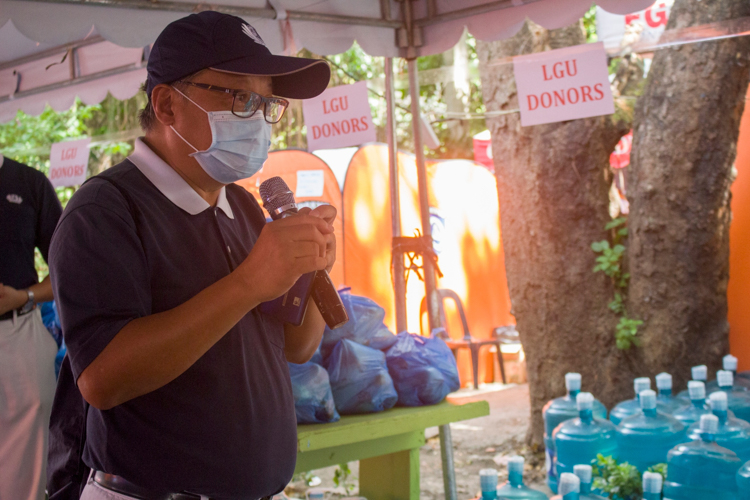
pixel 738 293
pixel 286 164
pixel 465 222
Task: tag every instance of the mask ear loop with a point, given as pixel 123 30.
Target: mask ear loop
pixel 175 130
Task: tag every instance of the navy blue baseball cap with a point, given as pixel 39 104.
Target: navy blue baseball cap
pixel 228 43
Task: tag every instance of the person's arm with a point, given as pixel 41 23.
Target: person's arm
pixel 11 298
pixel 151 351
pixel 301 342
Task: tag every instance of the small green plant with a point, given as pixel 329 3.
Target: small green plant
pixel 620 481
pixel 609 261
pixel 341 477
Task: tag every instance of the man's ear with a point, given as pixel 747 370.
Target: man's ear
pixel 162 100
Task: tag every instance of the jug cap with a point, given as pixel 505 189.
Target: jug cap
pixel 583 472
pixel 664 381
pixel 584 401
pixel 730 363
pixel 569 483
pixel 641 384
pixel 709 423
pixel 515 464
pixel 488 479
pixel 573 381
pixel 699 372
pixel 652 482
pixel 725 378
pixel 718 401
pixel 648 399
pixel 697 389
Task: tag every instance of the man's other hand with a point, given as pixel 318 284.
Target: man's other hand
pixel 327 213
pixel 10 298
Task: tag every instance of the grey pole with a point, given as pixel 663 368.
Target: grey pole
pixel 399 280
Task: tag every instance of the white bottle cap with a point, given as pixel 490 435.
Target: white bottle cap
pixel 664 381
pixel 573 381
pixel 730 363
pixel 709 423
pixel 718 401
pixel 725 378
pixel 515 464
pixel 488 479
pixel 652 482
pixel 641 384
pixel 569 483
pixel 583 472
pixel 700 372
pixel 648 399
pixel 697 389
pixel 585 401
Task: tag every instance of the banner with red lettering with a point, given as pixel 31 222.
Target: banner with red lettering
pixel 68 162
pixel 339 117
pixel 563 84
pixel 645 26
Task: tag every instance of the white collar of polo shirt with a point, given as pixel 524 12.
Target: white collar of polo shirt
pixel 171 185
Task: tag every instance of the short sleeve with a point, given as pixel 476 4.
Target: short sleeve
pixel 99 271
pixel 49 211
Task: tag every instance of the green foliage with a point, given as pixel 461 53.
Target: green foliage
pixel 620 481
pixel 341 477
pixel 589 24
pixel 625 333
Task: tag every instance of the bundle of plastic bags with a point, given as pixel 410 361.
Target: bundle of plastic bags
pixel 423 370
pixel 313 399
pixel 365 325
pixel 359 379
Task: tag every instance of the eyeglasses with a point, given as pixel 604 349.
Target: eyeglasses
pixel 246 103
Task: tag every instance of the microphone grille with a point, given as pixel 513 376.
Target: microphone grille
pixel 275 194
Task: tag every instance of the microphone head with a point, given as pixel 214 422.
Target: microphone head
pixel 275 194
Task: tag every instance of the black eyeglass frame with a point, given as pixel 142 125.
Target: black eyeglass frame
pixel 263 99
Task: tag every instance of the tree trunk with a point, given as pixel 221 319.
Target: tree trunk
pixel 685 135
pixel 553 184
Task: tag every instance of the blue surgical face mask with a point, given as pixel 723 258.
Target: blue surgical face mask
pixel 239 146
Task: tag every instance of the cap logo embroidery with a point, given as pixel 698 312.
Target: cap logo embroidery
pixel 250 31
pixel 14 198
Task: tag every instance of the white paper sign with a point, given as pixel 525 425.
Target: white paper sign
pixel 68 162
pixel 563 84
pixel 339 117
pixel 309 184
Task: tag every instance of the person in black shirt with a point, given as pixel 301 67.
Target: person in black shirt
pixel 159 265
pixel 29 211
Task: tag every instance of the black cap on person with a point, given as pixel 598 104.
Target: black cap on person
pixel 228 43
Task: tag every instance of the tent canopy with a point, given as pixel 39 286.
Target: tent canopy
pixel 107 40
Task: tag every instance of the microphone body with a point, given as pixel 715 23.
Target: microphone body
pixel 278 200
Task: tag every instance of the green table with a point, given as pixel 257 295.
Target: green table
pixel 386 445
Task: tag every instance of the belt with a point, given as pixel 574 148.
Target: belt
pixel 125 487
pixel 9 314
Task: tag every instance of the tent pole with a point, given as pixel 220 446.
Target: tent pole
pixel 399 280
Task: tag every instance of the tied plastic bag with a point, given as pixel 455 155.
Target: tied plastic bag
pixel 365 325
pixel 423 370
pixel 359 379
pixel 313 399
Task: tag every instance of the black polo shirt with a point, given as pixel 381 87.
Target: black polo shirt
pixel 225 428
pixel 29 211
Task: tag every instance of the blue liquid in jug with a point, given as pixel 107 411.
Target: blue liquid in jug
pixel 514 489
pixel 578 441
pixel 743 482
pixel 733 434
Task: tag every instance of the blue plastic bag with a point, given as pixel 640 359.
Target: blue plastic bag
pixel 359 379
pixel 423 369
pixel 365 325
pixel 313 399
pixel 51 321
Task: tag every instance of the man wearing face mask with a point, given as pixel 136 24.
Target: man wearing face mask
pixel 159 265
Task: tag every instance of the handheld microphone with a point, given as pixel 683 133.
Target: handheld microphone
pixel 278 200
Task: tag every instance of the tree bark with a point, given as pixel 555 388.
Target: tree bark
pixel 553 183
pixel 685 135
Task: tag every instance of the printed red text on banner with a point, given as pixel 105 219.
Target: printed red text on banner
pixel 68 162
pixel 339 117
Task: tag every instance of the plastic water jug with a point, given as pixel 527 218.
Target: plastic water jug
pixel 514 489
pixel 701 469
pixel 585 474
pixel 570 487
pixel 665 402
pixel 631 406
pixel 700 374
pixel 732 433
pixel 729 363
pixel 692 413
pixel 645 439
pixel 738 400
pixel 580 439
pixel 558 411
pixel 743 482
pixel 652 482
pixel 488 484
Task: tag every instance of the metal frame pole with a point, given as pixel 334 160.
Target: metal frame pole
pixel 399 280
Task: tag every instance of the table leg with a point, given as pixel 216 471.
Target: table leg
pixel 390 477
pixel 446 454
